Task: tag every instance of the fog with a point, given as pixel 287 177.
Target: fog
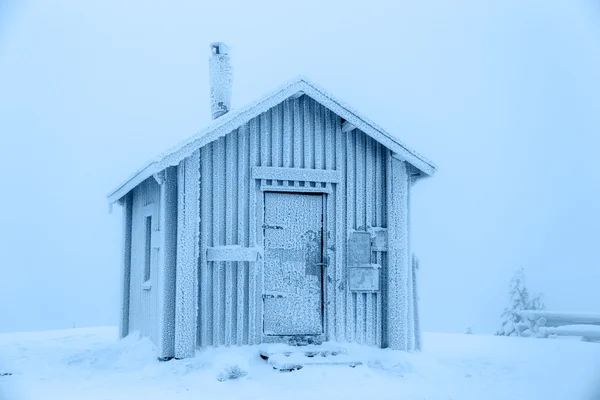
pixel 503 96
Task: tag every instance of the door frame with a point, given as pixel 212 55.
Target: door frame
pixel 305 190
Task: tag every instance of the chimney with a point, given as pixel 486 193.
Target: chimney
pixel 220 74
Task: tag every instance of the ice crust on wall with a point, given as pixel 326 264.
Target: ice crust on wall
pixel 167 262
pixel 398 253
pixel 186 289
pixel 299 133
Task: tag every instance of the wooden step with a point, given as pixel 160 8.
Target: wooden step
pixel 311 350
pixel 290 358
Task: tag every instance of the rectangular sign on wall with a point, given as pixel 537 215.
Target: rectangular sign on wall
pixel 379 239
pixel 365 278
pixel 362 275
pixel 359 248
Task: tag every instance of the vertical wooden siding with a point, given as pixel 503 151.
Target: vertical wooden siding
pixel 298 133
pixel 186 277
pixel 363 167
pixel 143 311
pixel 166 263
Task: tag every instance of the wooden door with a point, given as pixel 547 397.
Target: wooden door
pixel 293 260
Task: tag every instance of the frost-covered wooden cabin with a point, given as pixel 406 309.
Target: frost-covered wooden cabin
pixel 283 221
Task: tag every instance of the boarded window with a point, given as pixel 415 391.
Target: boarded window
pixel 148 249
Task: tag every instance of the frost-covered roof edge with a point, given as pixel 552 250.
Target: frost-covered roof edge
pixel 236 118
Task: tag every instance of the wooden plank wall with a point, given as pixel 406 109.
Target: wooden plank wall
pixel 365 207
pixel 143 304
pixel 298 133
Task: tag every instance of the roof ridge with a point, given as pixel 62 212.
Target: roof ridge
pixel 230 121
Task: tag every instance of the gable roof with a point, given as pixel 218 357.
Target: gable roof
pixel 236 118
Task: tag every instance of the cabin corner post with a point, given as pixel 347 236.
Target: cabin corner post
pixel 414 328
pixel 125 272
pixel 167 217
pixel 417 322
pixel 411 300
pixel 188 253
pixel 410 306
pixel 398 253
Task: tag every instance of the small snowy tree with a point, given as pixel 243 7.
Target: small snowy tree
pixel 519 299
pixel 469 330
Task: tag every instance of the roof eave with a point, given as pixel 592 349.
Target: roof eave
pixel 376 132
pixel 132 182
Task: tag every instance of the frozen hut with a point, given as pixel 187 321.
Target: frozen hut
pixel 283 221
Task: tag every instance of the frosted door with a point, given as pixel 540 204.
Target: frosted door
pixel 293 229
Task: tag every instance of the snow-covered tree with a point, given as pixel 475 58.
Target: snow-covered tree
pixel 469 330
pixel 519 299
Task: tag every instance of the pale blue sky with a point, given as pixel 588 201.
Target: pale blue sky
pixel 504 96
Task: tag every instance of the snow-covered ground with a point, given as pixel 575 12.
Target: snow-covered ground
pixel 91 364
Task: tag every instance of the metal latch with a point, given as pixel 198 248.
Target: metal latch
pixel 274 295
pixel 265 226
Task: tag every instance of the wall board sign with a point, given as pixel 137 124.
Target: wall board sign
pixel 359 248
pixel 364 278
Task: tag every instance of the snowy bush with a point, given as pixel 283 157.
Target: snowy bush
pixel 469 330
pixel 231 372
pixel 519 299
